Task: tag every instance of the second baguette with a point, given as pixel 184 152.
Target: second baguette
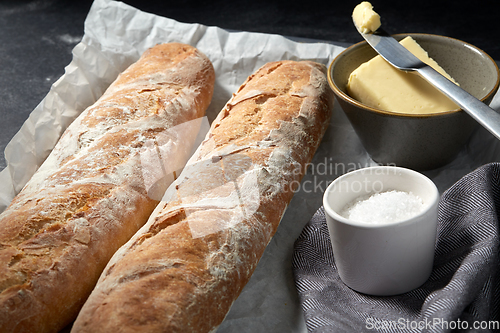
pixel 183 270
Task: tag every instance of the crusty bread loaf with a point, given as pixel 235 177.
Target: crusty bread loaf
pixel 183 270
pixel 97 187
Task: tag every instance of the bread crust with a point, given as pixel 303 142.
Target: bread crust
pixel 91 195
pixel 183 270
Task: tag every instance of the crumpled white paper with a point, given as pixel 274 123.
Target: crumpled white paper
pixel 115 36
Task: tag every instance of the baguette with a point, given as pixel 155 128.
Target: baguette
pixel 183 270
pixel 98 187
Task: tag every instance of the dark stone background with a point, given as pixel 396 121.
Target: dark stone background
pixel 36 37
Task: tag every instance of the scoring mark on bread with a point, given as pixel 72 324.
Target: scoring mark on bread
pixel 159 224
pixel 151 269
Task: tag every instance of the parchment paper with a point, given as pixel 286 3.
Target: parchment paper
pixel 115 36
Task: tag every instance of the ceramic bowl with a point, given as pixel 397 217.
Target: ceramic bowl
pixel 420 142
pixel 382 258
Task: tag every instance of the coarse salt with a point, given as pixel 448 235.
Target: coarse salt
pixel 384 207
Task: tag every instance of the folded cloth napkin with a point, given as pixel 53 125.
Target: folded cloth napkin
pixel 462 293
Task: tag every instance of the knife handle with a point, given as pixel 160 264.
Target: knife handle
pixel 483 114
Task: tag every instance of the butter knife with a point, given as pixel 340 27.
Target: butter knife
pixel 398 56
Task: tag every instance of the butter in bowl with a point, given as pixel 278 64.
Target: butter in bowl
pixel 402 120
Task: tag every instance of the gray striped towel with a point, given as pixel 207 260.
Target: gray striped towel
pixel 461 295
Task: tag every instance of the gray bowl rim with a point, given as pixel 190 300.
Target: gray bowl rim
pixel 354 102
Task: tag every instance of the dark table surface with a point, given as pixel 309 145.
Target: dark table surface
pixel 36 37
